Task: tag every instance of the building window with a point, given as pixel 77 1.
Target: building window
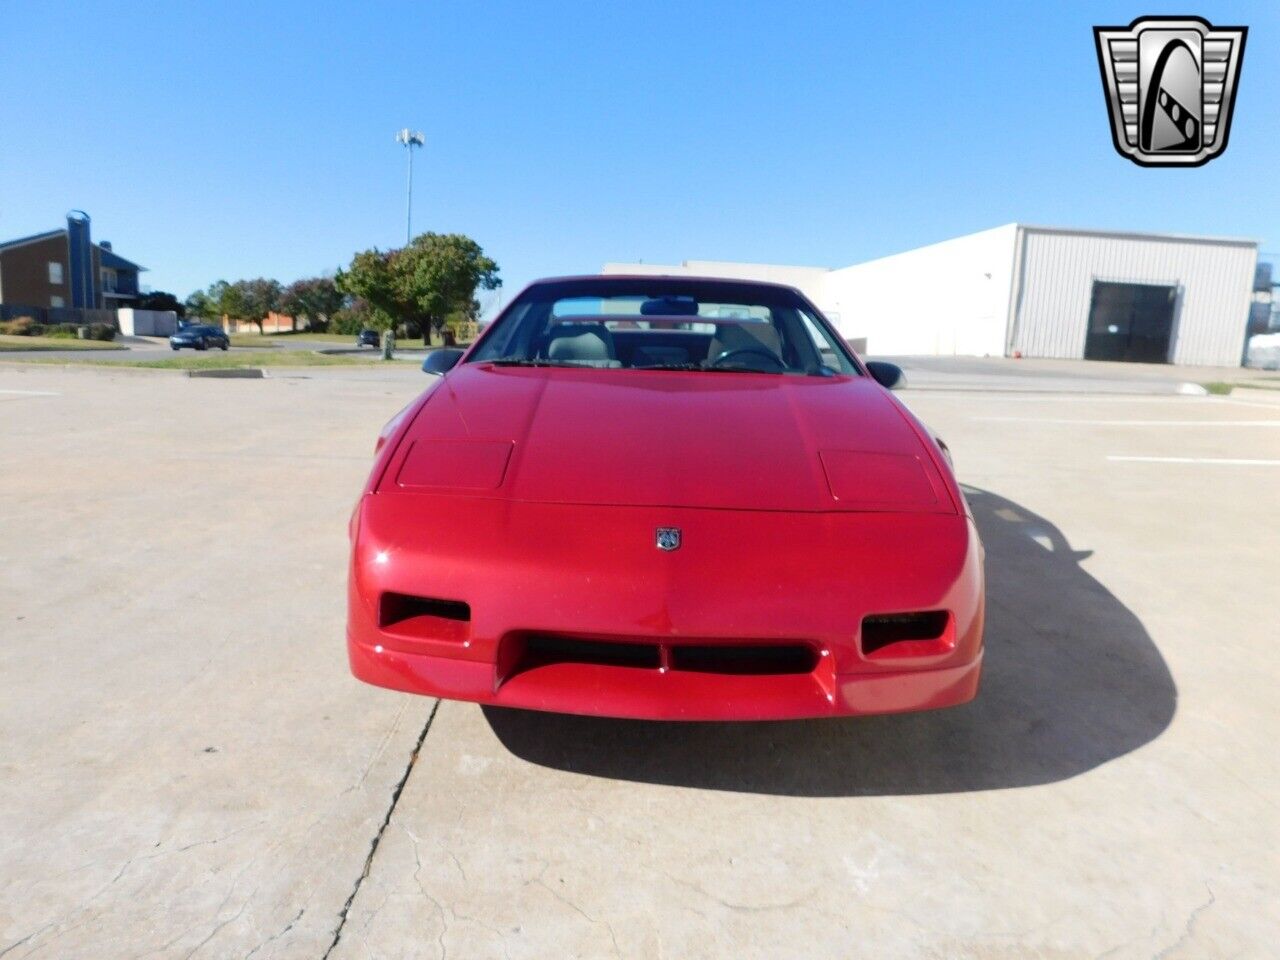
pixel 55 271
pixel 56 302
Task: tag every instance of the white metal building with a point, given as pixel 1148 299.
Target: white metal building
pixel 1034 292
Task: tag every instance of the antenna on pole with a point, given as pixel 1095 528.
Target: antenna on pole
pixel 410 139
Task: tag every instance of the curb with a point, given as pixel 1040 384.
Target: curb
pixel 230 373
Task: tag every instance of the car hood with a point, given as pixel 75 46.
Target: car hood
pixel 668 438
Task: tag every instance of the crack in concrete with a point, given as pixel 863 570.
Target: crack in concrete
pixel 1189 928
pixel 17 943
pixel 739 907
pixel 276 936
pixel 377 837
pixel 220 926
pixel 617 951
pixel 82 908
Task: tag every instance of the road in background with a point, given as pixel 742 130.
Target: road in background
pixel 157 348
pixel 1064 376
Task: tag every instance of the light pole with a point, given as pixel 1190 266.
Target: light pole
pixel 410 139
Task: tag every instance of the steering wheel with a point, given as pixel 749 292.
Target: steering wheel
pixel 769 355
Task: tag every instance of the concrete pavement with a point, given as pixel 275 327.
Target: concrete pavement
pixel 188 770
pixel 186 765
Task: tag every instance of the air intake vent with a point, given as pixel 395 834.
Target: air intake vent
pixel 543 649
pixel 884 630
pixel 424 618
pixel 761 660
pixel 521 652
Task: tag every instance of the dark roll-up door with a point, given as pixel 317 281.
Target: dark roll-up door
pixel 1130 321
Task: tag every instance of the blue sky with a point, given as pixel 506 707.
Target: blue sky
pixel 225 140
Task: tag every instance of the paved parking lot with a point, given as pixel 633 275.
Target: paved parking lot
pixel 188 771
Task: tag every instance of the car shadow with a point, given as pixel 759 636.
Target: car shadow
pixel 1071 680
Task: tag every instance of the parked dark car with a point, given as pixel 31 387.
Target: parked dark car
pixel 199 337
pixel 367 338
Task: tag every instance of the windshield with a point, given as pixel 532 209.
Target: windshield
pixel 701 326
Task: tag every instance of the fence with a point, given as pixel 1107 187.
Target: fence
pixel 274 323
pixel 146 323
pixel 52 315
pixel 80 315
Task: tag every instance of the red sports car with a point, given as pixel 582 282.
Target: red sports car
pixel 668 498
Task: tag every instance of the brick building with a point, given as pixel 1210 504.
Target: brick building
pixel 64 268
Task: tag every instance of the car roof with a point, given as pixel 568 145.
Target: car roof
pixel 604 279
pixel 713 289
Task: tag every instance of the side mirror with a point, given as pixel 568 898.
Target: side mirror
pixel 888 375
pixel 441 361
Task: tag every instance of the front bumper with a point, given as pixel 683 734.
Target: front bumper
pixel 739 578
pixel 647 695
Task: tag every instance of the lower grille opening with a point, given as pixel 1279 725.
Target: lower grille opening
pixel 882 630
pixel 397 608
pixel 744 659
pixel 540 650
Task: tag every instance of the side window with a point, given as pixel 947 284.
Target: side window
pixel 501 341
pixel 831 356
pixel 56 302
pixel 55 271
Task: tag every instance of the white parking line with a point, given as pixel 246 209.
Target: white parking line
pixel 1258 404
pixel 1214 461
pixel 1003 398
pixel 1133 423
pixel 32 393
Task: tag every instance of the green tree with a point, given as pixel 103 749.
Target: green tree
pixel 369 278
pixel 217 290
pixel 439 274
pixel 230 298
pixel 207 304
pixel 316 298
pixel 350 320
pixel 421 284
pixel 161 300
pixel 250 300
pixel 201 306
pixel 261 297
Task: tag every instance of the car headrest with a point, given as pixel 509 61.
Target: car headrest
pixel 579 341
pixel 745 336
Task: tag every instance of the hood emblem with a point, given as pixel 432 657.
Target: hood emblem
pixel 667 538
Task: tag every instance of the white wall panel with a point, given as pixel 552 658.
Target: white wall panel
pixel 1057 269
pixel 946 298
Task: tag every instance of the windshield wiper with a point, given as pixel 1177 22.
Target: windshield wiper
pixel 531 362
pixel 547 362
pixel 703 368
pixel 741 368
